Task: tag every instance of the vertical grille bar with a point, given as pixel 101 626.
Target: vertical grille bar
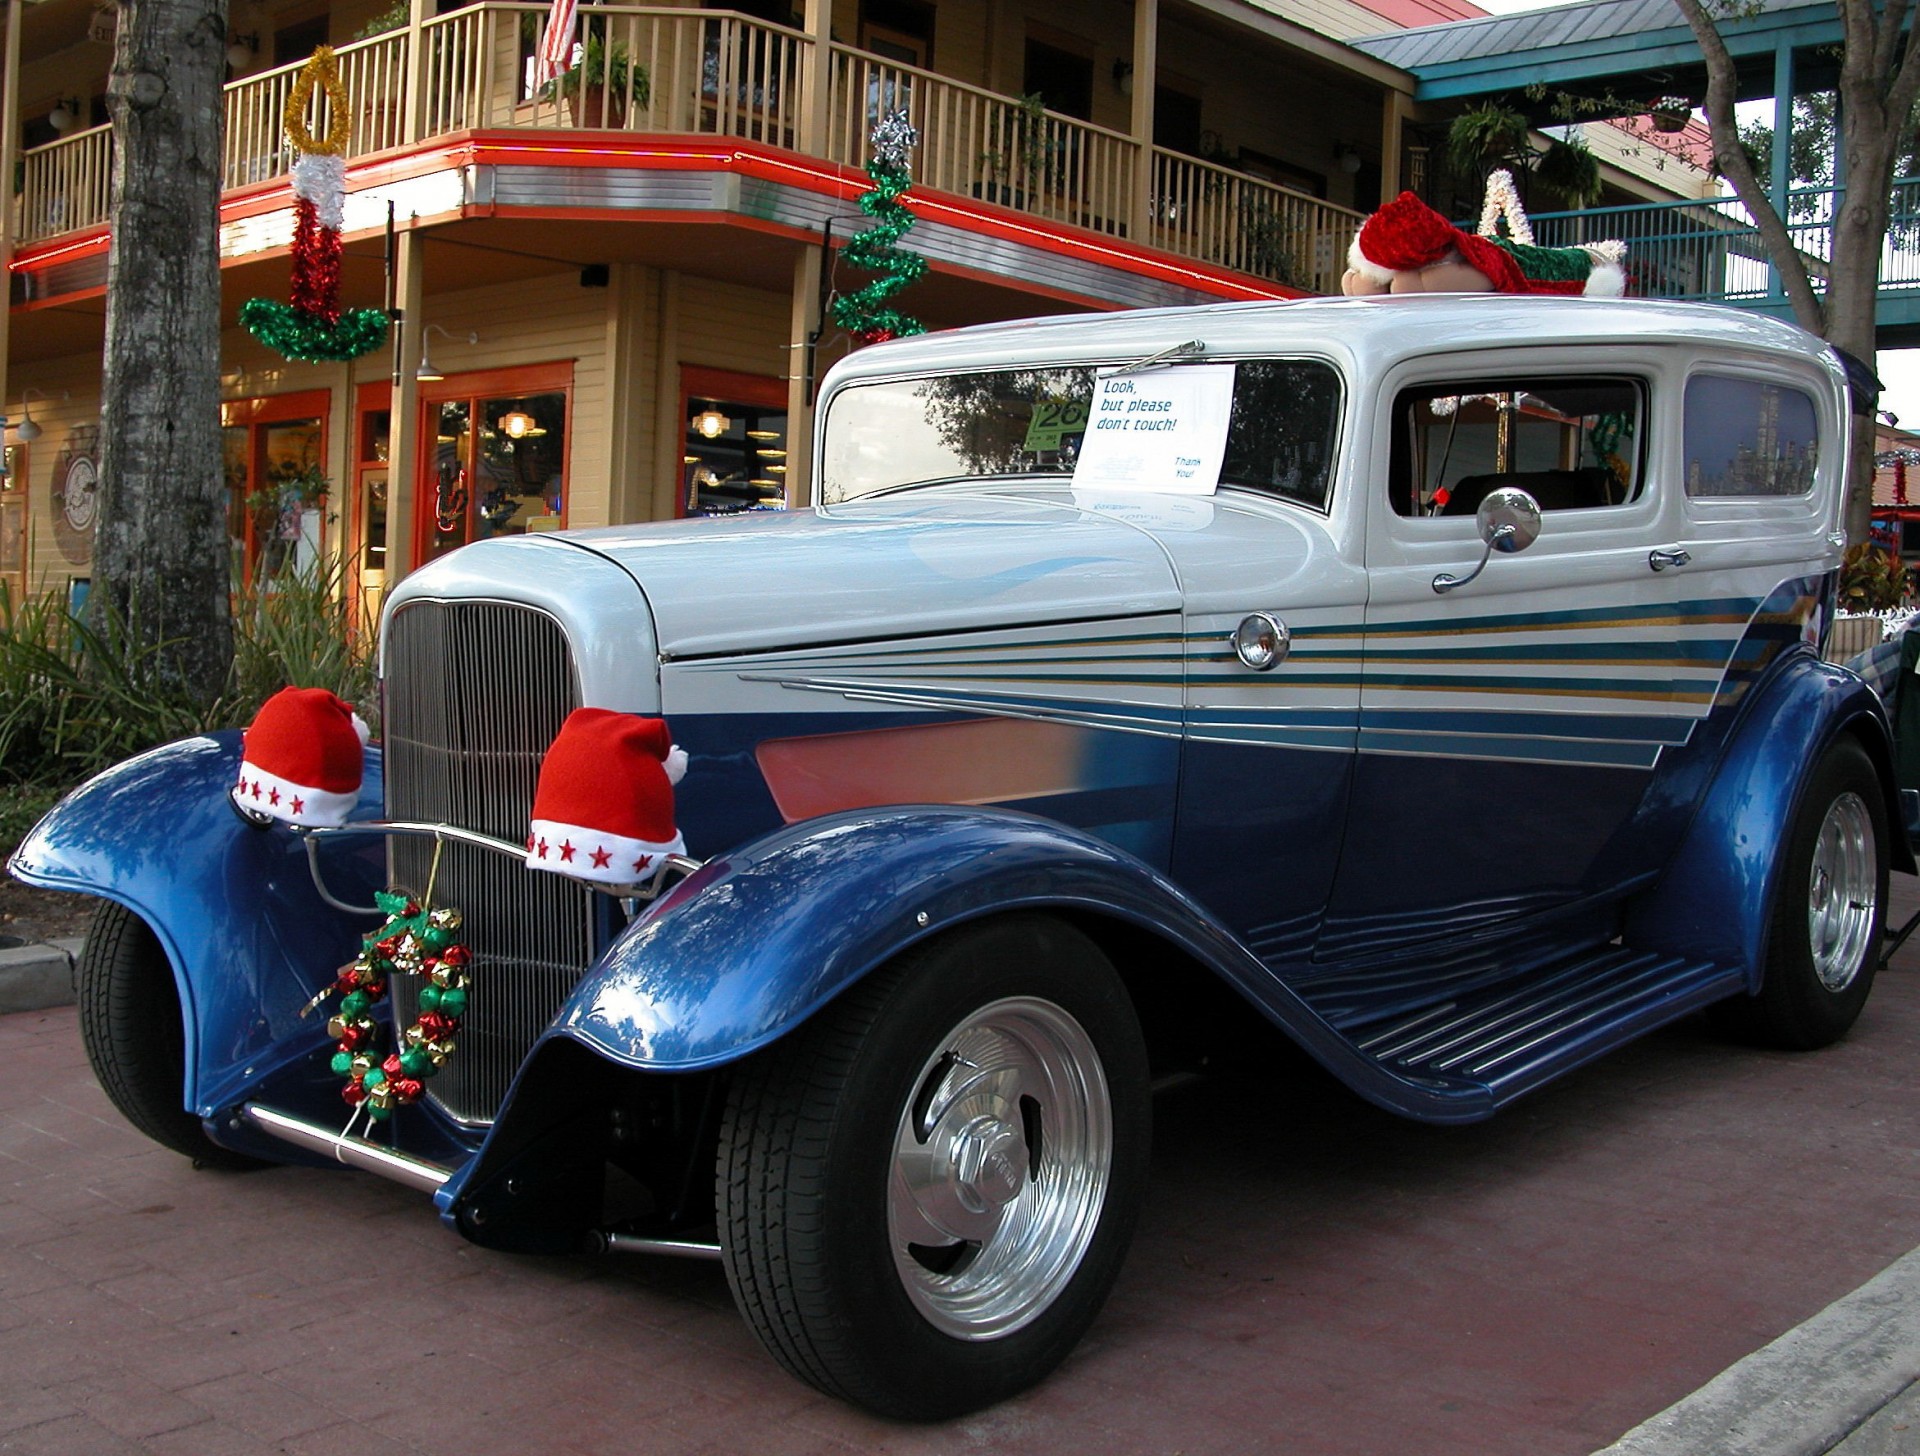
pixel 475 691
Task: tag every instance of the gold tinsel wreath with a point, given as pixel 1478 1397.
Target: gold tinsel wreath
pixel 320 70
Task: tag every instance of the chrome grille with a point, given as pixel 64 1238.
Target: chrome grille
pixel 475 691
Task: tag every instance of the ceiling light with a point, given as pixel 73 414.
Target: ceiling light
pixel 518 424
pixel 710 423
pixel 763 434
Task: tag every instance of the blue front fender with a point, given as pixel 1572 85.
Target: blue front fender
pixel 757 941
pixel 1716 898
pixel 234 907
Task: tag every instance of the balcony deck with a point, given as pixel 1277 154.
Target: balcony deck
pixel 715 74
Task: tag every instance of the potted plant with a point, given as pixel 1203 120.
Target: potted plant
pixel 1569 168
pixel 597 88
pixel 1485 135
pixel 1671 113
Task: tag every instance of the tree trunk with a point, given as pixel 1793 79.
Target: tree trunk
pixel 161 556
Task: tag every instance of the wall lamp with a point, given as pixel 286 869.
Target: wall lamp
pixel 1346 158
pixel 28 430
pixel 65 115
pixel 242 47
pixel 1123 77
pixel 427 373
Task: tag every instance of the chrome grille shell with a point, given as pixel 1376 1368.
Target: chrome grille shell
pixel 475 691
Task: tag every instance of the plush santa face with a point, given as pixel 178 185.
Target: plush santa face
pixel 1450 275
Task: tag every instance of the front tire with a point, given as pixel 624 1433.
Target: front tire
pixel 135 1034
pixel 926 1192
pixel 1823 943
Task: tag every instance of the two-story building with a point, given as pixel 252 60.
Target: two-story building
pixel 614 291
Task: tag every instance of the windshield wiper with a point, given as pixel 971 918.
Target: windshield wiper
pixel 1165 356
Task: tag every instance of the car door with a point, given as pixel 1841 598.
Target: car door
pixel 1510 720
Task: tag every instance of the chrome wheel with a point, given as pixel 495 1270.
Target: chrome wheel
pixel 1000 1169
pixel 1842 886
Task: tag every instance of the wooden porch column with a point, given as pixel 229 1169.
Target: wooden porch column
pixel 403 428
pixel 806 300
pixel 1394 111
pixel 629 423
pixel 669 425
pixel 1146 65
pixel 413 106
pixel 818 78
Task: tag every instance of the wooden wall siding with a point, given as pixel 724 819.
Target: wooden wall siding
pixel 728 326
pixel 47 568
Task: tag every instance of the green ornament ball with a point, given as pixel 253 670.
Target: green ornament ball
pixel 354 1005
pixel 430 997
pixel 453 1002
pixel 343 1063
pixel 416 1063
pixel 375 1077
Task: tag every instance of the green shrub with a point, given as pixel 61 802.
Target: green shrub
pixel 77 696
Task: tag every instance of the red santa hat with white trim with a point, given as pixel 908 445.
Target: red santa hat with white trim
pixel 300 761
pixel 603 809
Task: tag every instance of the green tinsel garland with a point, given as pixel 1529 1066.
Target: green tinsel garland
pixel 865 312
pixel 306 337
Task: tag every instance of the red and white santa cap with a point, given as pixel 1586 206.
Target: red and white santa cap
pixel 603 809
pixel 300 761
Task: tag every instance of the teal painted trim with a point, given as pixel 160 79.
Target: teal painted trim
pixel 1612 57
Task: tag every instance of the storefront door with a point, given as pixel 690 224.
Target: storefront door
pixel 493 456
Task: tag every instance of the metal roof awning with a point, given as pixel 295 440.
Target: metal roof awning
pixel 1603 44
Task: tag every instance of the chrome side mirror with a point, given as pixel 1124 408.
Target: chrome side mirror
pixel 1509 521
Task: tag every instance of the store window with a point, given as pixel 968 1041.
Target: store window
pixel 278 488
pixel 735 448
pixel 495 448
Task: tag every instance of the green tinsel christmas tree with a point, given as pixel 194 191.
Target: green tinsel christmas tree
pixel 866 313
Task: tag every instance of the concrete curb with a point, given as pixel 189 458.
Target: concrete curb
pixel 33 977
pixel 1850 1369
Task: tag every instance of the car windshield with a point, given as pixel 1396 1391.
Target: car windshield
pixel 999 423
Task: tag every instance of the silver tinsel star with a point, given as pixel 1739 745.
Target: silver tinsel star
pixel 893 137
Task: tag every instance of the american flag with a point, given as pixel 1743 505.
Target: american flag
pixel 555 53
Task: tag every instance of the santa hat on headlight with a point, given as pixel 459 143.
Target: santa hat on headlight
pixel 300 761
pixel 603 809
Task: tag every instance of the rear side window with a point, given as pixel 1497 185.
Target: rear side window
pixel 1748 437
pixel 1572 443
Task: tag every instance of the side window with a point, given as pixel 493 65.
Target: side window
pixel 1749 437
pixel 1280 436
pixel 1571 443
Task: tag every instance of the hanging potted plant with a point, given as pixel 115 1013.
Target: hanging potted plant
pixel 596 89
pixel 1486 135
pixel 1671 113
pixel 1570 169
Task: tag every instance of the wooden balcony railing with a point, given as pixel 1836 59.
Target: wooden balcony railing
pixel 714 73
pixel 979 144
pixel 1237 221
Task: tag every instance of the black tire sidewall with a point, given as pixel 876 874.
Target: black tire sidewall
pixel 897 1362
pixel 1795 1009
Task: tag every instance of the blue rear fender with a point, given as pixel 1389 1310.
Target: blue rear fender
pixel 748 948
pixel 234 907
pixel 1716 897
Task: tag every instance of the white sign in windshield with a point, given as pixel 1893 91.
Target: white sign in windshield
pixel 1158 429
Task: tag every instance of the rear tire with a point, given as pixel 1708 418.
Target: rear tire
pixel 926 1192
pixel 135 1035
pixel 1823 942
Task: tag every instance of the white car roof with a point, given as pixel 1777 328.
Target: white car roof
pixel 1369 334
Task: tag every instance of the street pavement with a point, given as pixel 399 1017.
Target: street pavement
pixel 1701 1246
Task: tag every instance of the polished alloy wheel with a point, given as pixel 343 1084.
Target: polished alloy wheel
pixel 1000 1168
pixel 1841 893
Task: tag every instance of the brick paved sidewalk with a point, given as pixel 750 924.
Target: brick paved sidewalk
pixel 1312 1276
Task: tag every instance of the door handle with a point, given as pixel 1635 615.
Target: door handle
pixel 1661 560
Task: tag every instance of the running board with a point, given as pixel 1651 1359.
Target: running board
pixel 1513 1037
pixel 354 1152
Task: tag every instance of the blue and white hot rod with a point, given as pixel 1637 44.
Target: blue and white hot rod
pixel 1439 676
